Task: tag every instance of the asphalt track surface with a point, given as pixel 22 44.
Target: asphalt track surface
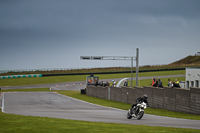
pixel 50 104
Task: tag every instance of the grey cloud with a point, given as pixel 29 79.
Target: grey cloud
pixel 103 24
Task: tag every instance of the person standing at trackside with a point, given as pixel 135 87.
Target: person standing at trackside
pixel 114 83
pixel 101 83
pixel 90 80
pixel 96 83
pixel 169 83
pixel 107 84
pixel 125 83
pixel 176 83
pixel 160 83
pixel 153 81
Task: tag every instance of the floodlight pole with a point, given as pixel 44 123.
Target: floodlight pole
pixel 131 71
pixel 137 62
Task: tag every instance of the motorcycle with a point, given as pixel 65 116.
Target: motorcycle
pixel 137 112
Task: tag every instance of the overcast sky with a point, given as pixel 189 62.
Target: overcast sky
pixel 37 34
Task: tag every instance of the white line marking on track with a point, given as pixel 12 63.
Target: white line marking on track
pixel 1 101
pixel 2 108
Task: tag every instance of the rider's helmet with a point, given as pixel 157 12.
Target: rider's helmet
pixel 145 96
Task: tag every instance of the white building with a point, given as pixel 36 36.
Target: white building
pixel 192 77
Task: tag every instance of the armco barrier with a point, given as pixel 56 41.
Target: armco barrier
pixel 173 99
pixel 20 76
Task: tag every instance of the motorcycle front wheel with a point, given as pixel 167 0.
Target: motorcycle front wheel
pixel 140 115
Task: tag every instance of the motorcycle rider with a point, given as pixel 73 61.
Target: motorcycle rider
pixel 139 100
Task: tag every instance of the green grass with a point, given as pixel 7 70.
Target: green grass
pixel 61 79
pixel 28 124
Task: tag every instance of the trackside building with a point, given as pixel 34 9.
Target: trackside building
pixel 192 77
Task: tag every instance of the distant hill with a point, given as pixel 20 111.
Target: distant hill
pixel 189 60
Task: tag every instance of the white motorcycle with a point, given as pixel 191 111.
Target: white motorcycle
pixel 137 111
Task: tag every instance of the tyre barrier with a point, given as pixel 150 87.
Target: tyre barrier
pixel 20 76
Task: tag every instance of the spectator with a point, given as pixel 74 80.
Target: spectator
pixel 96 83
pixel 125 83
pixel 160 83
pixel 176 83
pixel 114 83
pixel 169 83
pixel 90 80
pixel 106 84
pixel 101 83
pixel 153 81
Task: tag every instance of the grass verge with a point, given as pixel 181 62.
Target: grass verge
pixel 28 124
pixel 62 79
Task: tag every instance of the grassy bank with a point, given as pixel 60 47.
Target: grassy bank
pixel 61 79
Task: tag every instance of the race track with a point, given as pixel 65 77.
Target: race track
pixel 55 105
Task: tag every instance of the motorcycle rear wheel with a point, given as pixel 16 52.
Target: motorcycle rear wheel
pixel 128 116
